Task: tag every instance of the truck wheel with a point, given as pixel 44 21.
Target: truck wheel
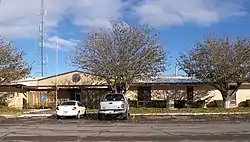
pixel 100 117
pixel 125 116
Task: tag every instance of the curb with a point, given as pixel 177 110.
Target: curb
pixel 9 116
pixel 34 115
pixel 35 110
pixel 148 114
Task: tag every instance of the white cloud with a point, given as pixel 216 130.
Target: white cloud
pixel 96 13
pixel 19 18
pixel 60 43
pixel 178 12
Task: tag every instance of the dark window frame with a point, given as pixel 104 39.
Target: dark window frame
pixel 144 93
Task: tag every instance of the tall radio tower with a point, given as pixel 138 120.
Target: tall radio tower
pixel 41 31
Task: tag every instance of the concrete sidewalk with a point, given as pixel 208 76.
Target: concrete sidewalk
pixel 29 113
pixel 36 111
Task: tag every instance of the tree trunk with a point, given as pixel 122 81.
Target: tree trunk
pixel 114 89
pixel 226 101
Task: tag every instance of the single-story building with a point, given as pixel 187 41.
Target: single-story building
pixel 87 88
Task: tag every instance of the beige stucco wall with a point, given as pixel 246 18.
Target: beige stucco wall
pixel 66 79
pixel 202 92
pixel 242 95
pixel 17 100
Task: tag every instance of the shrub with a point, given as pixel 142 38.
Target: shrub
pixel 243 104
pixel 132 103
pixel 3 104
pixel 248 103
pixel 211 104
pixel 199 104
pixel 147 103
pixel 180 103
pixel 158 103
pixel 218 103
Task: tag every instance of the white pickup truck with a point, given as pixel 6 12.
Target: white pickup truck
pixel 114 104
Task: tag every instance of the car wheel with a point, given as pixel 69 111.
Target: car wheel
pixel 78 116
pixel 84 115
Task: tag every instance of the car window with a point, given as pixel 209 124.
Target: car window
pixel 114 97
pixel 68 103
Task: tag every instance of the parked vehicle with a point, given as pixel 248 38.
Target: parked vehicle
pixel 114 104
pixel 71 108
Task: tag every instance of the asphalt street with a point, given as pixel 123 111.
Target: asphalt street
pixel 161 129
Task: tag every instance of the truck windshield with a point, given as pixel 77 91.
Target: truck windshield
pixel 114 97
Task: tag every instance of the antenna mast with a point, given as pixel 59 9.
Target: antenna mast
pixel 41 31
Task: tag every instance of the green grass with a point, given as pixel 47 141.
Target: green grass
pixel 184 110
pixel 7 110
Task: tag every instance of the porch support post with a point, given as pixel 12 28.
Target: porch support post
pixel 56 91
pixel 84 97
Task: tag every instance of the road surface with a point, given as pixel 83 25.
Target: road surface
pixel 181 129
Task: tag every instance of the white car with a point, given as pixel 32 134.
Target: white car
pixel 114 104
pixel 70 108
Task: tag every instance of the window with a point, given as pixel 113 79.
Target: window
pixel 190 93
pixel 232 87
pixel 144 94
pixel 75 96
pixel 114 97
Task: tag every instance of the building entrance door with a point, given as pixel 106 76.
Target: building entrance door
pixel 75 95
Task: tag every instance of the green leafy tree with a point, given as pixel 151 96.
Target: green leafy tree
pixel 220 62
pixel 12 64
pixel 121 54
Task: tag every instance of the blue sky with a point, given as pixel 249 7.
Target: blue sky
pixel 180 23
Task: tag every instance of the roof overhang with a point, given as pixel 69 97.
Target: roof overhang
pixel 12 88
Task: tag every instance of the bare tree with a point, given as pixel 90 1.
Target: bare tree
pixel 219 62
pixel 12 64
pixel 121 54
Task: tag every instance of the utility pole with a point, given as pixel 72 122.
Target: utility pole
pixel 41 31
pixel 56 93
